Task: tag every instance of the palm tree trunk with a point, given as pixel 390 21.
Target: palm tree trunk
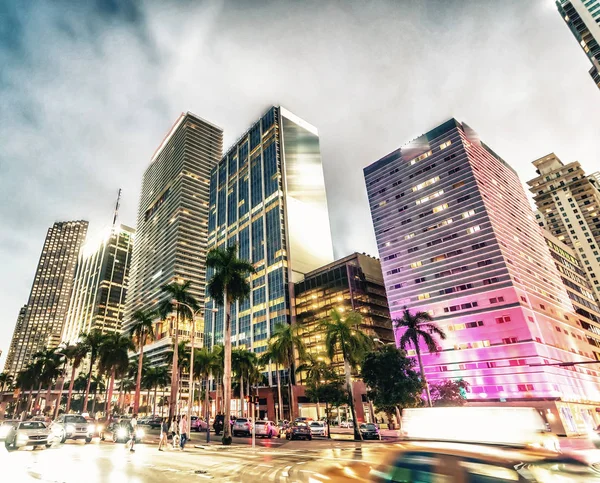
pixel 280 408
pixel 227 371
pixel 207 408
pixel 148 402
pixel 174 370
pixel 71 382
pixel 241 397
pixel 37 396
pixel 162 406
pixel 94 403
pixel 87 388
pixel 428 395
pixel 318 411
pixel 154 401
pixel 111 386
pixel 357 435
pixel 138 381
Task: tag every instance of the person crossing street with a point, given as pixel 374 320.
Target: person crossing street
pixel 183 432
pixel 164 434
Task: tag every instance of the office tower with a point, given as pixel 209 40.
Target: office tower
pixel 583 18
pixel 170 240
pixel 267 195
pixel 568 204
pixel 100 286
pixel 595 178
pixel 457 239
pixel 354 283
pixel 17 339
pixel 42 324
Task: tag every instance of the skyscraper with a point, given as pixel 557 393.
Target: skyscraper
pixel 170 240
pixel 568 204
pixel 100 286
pixel 42 324
pixel 17 339
pixel 457 239
pixel 267 195
pixel 583 18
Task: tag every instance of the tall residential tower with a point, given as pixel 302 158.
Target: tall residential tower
pixel 457 239
pixel 170 240
pixel 42 323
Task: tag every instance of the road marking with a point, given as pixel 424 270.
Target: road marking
pixel 285 473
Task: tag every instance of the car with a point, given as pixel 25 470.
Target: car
pixel 28 433
pixel 318 428
pixel 242 426
pixel 197 424
pixel 6 426
pixel 121 431
pixel 218 424
pixel 155 423
pixel 72 426
pixel 347 424
pixel 266 429
pixel 369 431
pixel 282 427
pixel 298 431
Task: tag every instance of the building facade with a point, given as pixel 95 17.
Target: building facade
pixel 17 339
pixel 171 233
pixel 267 195
pixel 583 18
pixel 100 286
pixel 42 324
pixel 568 204
pixel 457 239
pixel 353 283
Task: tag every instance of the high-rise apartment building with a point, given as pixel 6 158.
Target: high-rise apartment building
pixel 583 18
pixel 267 195
pixel 17 339
pixel 42 325
pixel 568 204
pixel 171 233
pixel 100 286
pixel 457 239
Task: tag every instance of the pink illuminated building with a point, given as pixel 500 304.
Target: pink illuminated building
pixel 457 238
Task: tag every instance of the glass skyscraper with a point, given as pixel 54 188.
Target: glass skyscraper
pixel 457 238
pixel 41 325
pixel 267 195
pixel 583 18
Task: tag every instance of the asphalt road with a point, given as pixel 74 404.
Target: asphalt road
pixel 272 461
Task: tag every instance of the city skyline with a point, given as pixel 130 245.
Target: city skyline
pixel 61 182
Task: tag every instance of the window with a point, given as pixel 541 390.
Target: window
pixel 409 236
pixel 503 319
pixel 484 263
pixel 473 229
pixel 445 145
pixel 496 300
pixel 430 197
pixel 416 264
pixel 439 208
pixel 463 198
pixel 489 281
pixel 423 296
pixel 525 387
pixel 425 184
pixel 467 214
pixel 477 246
pixel 420 158
pixel 509 340
pixel 420 280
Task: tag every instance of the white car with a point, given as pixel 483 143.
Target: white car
pixel 346 424
pixel 242 426
pixel 266 429
pixel 318 428
pixel 73 426
pixel 28 433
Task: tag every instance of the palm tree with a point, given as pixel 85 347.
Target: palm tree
pixel 228 285
pixel 114 361
pixel 242 364
pixel 269 357
pixel 142 332
pixel 342 335
pixel 179 294
pixel 25 381
pixel 316 369
pixel 419 327
pixel 125 386
pixel 206 363
pixel 157 377
pixel 182 363
pixel 75 354
pixel 47 363
pixel 6 380
pixel 284 343
pixel 92 342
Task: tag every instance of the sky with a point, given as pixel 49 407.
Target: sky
pixel 89 89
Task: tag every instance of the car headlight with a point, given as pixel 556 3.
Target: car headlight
pixel 22 437
pixel 91 428
pixel 100 428
pixel 139 433
pixel 70 428
pixel 121 432
pixel 4 431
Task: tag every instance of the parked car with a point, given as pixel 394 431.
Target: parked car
pixel 6 426
pixel 266 429
pixel 198 424
pixel 28 433
pixel 242 426
pixel 369 431
pixel 298 431
pixel 318 428
pixel 154 423
pixel 73 426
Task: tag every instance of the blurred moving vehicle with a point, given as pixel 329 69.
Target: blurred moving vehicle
pixel 28 433
pixel 121 432
pixel 6 426
pixel 298 431
pixel 266 429
pixel 72 426
pixel 369 431
pixel 198 424
pixel 318 428
pixel 347 424
pixel 242 426
pixel 155 423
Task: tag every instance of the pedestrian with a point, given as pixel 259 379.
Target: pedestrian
pixel 164 434
pixel 183 431
pixel 174 432
pixel 132 430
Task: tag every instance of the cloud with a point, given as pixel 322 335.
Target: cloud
pixel 88 90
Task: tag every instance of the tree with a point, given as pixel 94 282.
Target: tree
pixel 206 363
pixel 6 380
pixel 91 342
pixel 343 335
pixel 179 294
pixel 419 327
pixel 25 381
pixel 228 285
pixel 242 364
pixel 391 380
pixel 182 363
pixel 75 354
pixel 114 361
pixel 142 332
pixel 284 344
pixel 266 358
pixel 330 390
pixel 47 364
pixel 449 393
pixel 316 370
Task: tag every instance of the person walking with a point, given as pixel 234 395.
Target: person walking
pixel 164 434
pixel 183 431
pixel 174 430
pixel 132 429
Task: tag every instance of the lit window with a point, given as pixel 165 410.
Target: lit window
pixel 469 213
pixel 424 184
pixel 439 208
pixel 473 229
pixel 445 145
pixel 416 264
pixel 420 158
pixel 430 197
pixel 409 236
pixel 423 296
